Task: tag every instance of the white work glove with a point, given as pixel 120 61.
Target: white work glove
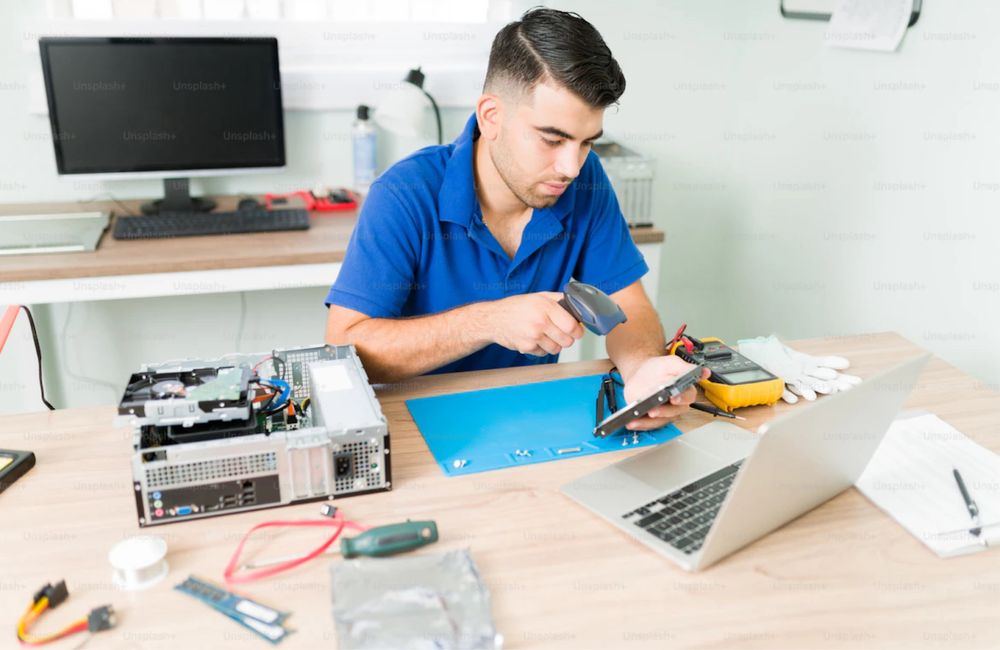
pixel 804 374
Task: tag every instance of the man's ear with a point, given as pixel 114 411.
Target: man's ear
pixel 489 114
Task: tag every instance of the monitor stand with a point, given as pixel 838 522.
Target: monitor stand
pixel 177 198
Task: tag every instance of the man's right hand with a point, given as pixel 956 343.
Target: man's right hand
pixel 534 323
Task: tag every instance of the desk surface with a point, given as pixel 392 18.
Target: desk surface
pixel 843 575
pixel 325 242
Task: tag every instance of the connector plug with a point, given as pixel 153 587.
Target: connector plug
pixel 57 594
pixel 101 618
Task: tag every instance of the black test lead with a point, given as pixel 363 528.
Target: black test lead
pixel 715 412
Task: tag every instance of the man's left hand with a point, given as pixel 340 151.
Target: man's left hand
pixel 647 378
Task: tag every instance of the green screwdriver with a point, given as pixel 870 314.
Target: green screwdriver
pixel 389 540
pixel 374 542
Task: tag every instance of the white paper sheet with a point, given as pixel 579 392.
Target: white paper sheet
pixel 910 478
pixel 869 24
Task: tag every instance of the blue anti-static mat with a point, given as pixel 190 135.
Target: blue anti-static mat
pixel 485 427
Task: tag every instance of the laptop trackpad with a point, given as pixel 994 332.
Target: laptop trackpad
pixel 671 465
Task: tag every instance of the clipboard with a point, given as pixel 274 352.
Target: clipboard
pixel 823 10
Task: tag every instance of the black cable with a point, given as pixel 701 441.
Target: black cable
pixel 266 403
pixel 276 361
pixel 437 115
pixel 269 409
pixel 265 408
pixel 275 410
pixel 125 211
pixel 38 354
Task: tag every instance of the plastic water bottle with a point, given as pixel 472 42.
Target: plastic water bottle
pixel 363 141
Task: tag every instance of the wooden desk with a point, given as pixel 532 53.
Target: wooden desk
pixel 843 575
pixel 286 265
pixel 325 242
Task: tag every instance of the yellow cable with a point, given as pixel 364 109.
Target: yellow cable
pixel 32 614
pixel 29 617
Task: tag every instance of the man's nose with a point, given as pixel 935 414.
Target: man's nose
pixel 568 162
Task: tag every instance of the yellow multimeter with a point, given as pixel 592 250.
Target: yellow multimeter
pixel 735 381
pixel 13 464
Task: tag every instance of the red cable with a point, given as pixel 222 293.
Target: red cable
pixel 30 640
pixel 262 362
pixel 79 627
pixel 677 336
pixel 7 323
pixel 266 572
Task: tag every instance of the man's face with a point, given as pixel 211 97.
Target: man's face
pixel 543 142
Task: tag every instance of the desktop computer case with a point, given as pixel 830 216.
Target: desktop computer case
pixel 343 452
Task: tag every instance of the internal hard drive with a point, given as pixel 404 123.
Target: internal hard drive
pixel 184 398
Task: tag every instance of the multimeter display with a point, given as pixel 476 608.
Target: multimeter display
pixel 744 376
pixel 727 365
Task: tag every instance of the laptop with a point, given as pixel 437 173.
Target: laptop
pixel 65 232
pixel 712 491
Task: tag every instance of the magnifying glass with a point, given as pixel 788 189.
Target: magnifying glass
pixel 592 307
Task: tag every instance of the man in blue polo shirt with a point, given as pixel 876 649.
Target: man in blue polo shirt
pixel 460 250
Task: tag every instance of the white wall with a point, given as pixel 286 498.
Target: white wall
pixel 317 143
pixel 100 344
pixel 804 191
pixel 809 191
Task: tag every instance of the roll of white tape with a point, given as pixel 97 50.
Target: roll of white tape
pixel 138 562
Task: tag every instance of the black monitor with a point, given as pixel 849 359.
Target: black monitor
pixel 169 108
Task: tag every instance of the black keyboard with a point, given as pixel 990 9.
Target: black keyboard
pixel 193 224
pixel 684 517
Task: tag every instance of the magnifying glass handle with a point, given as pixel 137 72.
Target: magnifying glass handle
pixel 565 304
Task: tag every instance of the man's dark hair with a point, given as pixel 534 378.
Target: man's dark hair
pixel 559 45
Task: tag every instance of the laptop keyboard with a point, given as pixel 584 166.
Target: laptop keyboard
pixel 683 518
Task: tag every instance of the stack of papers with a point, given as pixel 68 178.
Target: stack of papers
pixel 910 478
pixel 869 24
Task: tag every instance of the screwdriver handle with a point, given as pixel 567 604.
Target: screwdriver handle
pixel 389 540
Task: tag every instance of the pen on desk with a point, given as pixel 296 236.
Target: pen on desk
pixel 715 412
pixel 970 505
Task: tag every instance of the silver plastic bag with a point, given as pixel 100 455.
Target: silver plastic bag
pixel 419 601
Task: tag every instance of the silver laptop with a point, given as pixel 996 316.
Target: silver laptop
pixel 712 491
pixel 65 232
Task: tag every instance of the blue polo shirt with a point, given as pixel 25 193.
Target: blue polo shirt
pixel 420 245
